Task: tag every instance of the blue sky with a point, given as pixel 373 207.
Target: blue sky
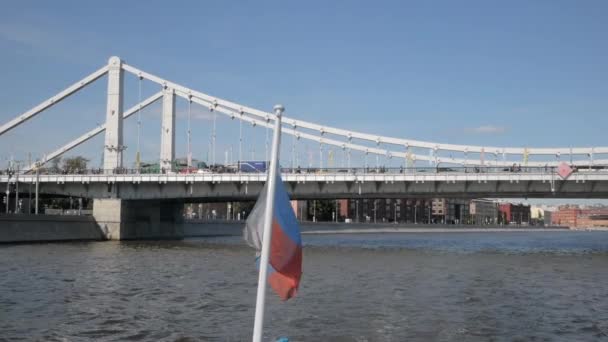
pixel 523 73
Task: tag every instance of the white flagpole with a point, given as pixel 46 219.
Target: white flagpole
pixel 258 326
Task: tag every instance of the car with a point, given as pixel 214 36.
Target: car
pixel 188 170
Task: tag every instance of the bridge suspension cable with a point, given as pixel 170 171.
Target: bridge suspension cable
pixel 138 152
pixel 241 139
pixel 92 133
pixel 266 157
pixel 361 136
pixel 261 117
pixel 255 121
pixel 293 150
pixel 53 100
pixel 188 133
pixel 213 136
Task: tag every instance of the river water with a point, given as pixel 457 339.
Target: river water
pixel 530 286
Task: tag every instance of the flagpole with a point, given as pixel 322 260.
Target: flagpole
pixel 258 326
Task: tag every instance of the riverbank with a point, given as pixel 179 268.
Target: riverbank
pixel 202 228
pixel 46 228
pixel 428 230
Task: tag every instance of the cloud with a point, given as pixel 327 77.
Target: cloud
pixel 486 129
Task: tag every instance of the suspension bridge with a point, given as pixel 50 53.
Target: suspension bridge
pixel 419 168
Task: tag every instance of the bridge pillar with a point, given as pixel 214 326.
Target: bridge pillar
pixel 112 156
pixel 121 219
pixel 167 135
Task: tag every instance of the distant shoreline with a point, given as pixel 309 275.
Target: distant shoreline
pixel 198 228
pixel 430 230
pixel 368 228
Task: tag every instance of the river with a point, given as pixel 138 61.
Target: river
pixel 510 286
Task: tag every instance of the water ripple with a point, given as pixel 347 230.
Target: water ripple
pixel 415 287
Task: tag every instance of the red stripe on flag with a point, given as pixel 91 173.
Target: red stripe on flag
pixel 286 260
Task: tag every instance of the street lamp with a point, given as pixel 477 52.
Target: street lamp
pixel 119 152
pixel 395 219
pixel 375 209
pixel 17 206
pixel 337 210
pixel 9 172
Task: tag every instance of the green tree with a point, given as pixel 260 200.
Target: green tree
pixel 75 164
pixel 55 168
pixel 323 210
pixel 240 207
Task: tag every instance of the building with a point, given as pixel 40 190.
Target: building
pixel 300 208
pixel 577 217
pixel 566 216
pixel 547 215
pixel 209 211
pixel 537 215
pixel 593 218
pixel 389 210
pixel 438 206
pixel 511 213
pixel 455 211
pixel 218 210
pixel 408 210
pixel 483 212
pixel 343 209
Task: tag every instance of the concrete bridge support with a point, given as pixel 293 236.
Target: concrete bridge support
pixel 122 219
pixel 167 135
pixel 112 157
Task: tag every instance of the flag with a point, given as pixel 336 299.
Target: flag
pixel 564 170
pixel 285 258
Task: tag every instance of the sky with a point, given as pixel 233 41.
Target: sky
pixel 510 73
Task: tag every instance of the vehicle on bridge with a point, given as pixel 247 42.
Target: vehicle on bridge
pixel 253 166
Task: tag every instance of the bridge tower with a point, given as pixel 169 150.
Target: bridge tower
pixel 167 135
pixel 112 156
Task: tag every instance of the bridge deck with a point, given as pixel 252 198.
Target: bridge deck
pixel 417 177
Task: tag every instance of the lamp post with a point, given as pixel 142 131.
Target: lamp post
pixel 395 219
pixel 337 210
pixel 9 172
pixel 118 149
pixel 17 209
pixel 37 186
pixel 375 210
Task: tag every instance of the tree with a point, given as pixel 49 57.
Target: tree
pixel 55 162
pixel 246 207
pixel 323 210
pixel 75 164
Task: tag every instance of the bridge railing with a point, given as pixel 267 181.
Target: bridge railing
pixel 312 170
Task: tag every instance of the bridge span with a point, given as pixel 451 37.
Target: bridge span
pixel 532 183
pixel 134 204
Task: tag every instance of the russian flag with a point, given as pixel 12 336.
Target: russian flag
pixel 285 259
